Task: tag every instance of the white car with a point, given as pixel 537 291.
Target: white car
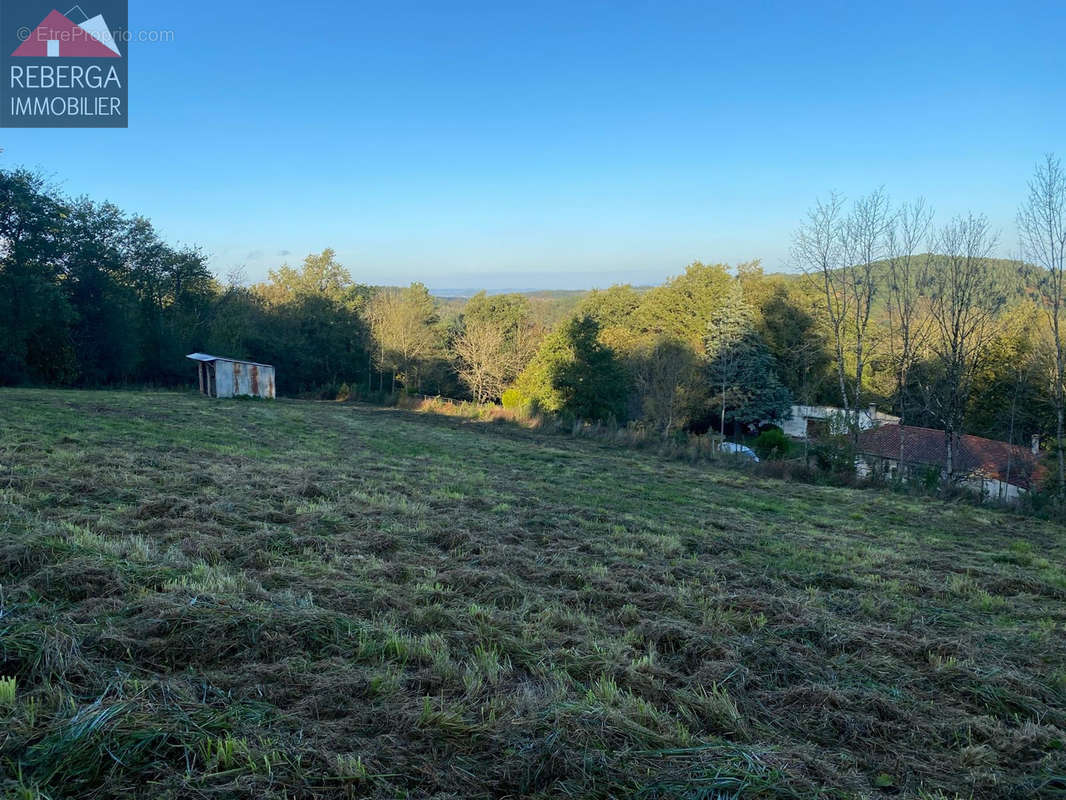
pixel 739 450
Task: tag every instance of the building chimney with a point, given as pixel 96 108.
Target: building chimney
pixel 1036 444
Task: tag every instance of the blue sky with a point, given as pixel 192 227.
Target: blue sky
pixel 559 144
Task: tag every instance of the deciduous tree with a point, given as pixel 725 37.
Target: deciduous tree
pixel 406 337
pixel 908 285
pixel 839 253
pixel 573 372
pixel 964 300
pixel 494 342
pixel 1042 225
pixel 668 385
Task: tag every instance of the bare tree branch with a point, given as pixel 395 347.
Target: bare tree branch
pixel 1042 229
pixel 964 302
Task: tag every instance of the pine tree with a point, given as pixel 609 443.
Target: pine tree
pixel 740 367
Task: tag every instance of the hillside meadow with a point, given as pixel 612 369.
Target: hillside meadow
pixel 218 599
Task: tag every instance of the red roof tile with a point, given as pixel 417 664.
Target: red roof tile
pixel 973 455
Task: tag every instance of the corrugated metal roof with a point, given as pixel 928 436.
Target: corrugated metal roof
pixel 206 357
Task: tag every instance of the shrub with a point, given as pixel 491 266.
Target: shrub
pixel 790 471
pixel 513 399
pixel 834 455
pixel 520 405
pixel 928 478
pixel 771 443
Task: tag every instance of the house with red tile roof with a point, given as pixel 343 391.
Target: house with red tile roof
pixel 997 470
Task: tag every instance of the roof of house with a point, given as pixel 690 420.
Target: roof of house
pixel 974 455
pixel 206 357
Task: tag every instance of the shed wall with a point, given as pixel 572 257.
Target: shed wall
pixel 236 379
pixel 224 379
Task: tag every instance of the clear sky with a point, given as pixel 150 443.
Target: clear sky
pixel 559 144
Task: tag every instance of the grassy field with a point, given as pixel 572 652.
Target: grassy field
pixel 215 599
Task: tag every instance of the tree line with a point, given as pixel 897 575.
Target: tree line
pixel 92 296
pixel 888 307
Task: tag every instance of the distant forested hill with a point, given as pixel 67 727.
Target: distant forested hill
pixel 1017 278
pixel 548 306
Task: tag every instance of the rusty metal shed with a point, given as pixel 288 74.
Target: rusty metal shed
pixel 233 377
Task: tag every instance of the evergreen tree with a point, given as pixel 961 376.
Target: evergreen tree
pixel 740 367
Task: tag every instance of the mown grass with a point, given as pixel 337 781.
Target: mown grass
pixel 290 599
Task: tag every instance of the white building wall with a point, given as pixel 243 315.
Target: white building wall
pixel 796 424
pixel 992 488
pixel 795 427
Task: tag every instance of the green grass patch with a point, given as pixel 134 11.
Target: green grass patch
pixel 317 600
